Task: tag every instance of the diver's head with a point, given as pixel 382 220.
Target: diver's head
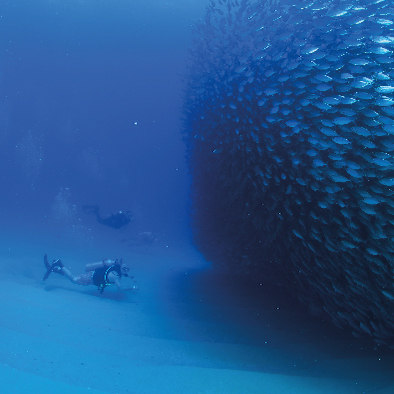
pixel 124 269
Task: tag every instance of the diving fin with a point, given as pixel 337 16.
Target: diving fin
pixel 48 267
pixel 56 266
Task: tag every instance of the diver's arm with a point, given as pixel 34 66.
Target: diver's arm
pixel 113 278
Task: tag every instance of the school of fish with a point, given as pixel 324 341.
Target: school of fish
pixel 289 125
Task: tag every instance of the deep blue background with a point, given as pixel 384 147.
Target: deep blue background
pixel 90 100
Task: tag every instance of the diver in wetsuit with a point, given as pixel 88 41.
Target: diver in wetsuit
pixel 118 220
pixel 101 274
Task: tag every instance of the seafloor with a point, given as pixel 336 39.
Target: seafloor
pixel 187 329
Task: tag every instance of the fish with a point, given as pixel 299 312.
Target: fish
pixel 385 89
pixel 342 120
pixel 300 102
pixel 341 140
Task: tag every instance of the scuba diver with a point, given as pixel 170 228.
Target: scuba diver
pixel 118 220
pixel 101 274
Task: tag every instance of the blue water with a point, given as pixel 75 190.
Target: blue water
pixel 90 113
pixel 90 101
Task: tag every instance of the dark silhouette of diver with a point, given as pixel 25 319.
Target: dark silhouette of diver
pixel 118 220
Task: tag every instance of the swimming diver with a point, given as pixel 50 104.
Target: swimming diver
pixel 118 220
pixel 101 274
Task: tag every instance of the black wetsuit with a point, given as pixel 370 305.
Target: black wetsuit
pixel 100 276
pixel 117 220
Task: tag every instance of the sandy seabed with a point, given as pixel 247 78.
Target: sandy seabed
pixel 187 329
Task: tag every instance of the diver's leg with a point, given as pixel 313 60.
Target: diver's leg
pixel 84 279
pixel 59 268
pixel 67 273
pixel 95 209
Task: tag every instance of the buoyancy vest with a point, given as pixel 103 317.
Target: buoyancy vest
pixel 100 276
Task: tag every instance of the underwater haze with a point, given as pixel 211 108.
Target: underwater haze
pixel 90 114
pixel 120 139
